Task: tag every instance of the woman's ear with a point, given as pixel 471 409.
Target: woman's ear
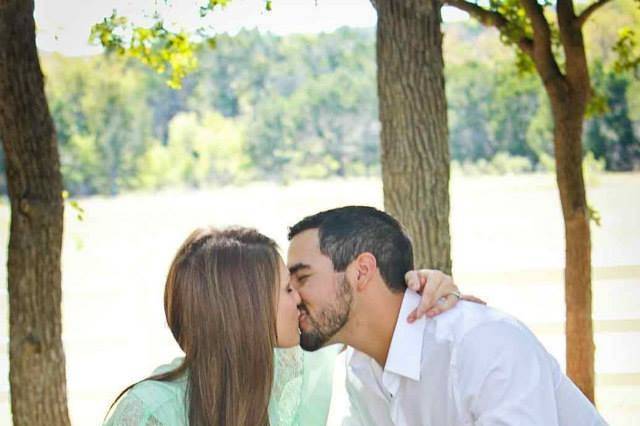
pixel 366 268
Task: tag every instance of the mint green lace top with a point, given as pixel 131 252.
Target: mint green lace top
pixel 301 393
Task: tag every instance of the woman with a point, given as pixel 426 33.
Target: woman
pixel 228 304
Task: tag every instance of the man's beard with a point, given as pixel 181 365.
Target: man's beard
pixel 330 320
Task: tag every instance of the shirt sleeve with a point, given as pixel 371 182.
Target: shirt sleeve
pixel 504 377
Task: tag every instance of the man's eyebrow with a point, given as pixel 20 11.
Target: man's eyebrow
pixel 297 267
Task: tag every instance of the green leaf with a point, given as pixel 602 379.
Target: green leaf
pixel 78 209
pixel 594 215
pixel 166 52
pixel 597 104
pixel 627 49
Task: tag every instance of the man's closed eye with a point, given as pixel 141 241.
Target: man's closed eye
pixel 303 279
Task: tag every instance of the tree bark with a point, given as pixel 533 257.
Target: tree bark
pixel 579 326
pixel 569 105
pixel 36 356
pixel 568 116
pixel 568 94
pixel 413 115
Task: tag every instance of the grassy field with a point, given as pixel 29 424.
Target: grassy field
pixel 507 248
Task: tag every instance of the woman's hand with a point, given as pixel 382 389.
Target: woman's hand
pixel 439 293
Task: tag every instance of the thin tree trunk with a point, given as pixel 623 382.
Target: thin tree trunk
pixel 568 113
pixel 569 94
pixel 413 114
pixel 569 107
pixel 37 362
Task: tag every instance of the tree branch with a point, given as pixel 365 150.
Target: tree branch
pixel 584 16
pixel 542 56
pixel 541 29
pixel 490 18
pixel 567 24
pixel 577 69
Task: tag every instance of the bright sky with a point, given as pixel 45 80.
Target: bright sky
pixel 64 25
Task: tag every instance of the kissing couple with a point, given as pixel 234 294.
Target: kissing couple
pixel 417 355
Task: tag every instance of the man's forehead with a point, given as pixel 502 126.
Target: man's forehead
pixel 303 246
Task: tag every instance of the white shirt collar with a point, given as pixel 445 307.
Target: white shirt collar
pixel 405 351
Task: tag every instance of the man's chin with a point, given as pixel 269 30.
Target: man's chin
pixel 311 342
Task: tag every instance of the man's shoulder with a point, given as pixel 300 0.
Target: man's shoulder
pixel 467 318
pixel 480 336
pixel 458 329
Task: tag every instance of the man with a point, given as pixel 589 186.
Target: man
pixel 471 365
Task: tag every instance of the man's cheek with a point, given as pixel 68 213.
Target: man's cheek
pixel 306 297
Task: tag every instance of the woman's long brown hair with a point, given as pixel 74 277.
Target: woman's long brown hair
pixel 220 303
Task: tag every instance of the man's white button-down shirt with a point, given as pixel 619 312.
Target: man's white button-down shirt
pixel 472 365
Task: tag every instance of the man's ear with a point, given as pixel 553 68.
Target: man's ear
pixel 365 268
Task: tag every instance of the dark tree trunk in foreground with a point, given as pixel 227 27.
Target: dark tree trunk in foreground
pixel 413 114
pixel 37 362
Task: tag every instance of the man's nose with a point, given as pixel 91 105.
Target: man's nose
pixel 297 297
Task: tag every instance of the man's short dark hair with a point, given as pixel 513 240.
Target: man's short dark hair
pixel 346 232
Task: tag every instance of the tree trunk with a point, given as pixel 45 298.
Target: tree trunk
pixel 413 115
pixel 37 362
pixel 568 115
pixel 569 104
pixel 568 94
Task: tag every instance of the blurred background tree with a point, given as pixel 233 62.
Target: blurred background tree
pixel 287 97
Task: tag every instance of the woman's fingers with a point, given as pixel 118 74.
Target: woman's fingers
pixel 474 299
pixel 439 293
pixel 434 286
pixel 444 304
pixel 413 280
